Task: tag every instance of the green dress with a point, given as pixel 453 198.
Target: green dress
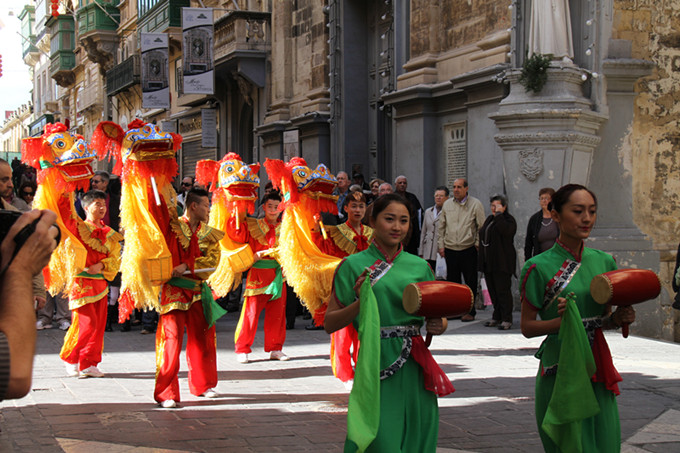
pixel 409 415
pixel 542 281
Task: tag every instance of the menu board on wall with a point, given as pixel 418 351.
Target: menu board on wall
pixel 455 142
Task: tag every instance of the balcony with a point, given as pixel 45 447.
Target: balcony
pixel 157 16
pixel 97 25
pixel 29 51
pixel 89 97
pixel 62 44
pixel 242 41
pixel 123 76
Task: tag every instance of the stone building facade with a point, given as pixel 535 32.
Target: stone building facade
pixel 428 89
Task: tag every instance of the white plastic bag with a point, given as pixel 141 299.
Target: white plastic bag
pixel 440 268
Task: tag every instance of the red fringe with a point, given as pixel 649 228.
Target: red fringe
pixel 32 150
pixel 206 173
pixel 126 305
pixel 160 168
pixel 106 140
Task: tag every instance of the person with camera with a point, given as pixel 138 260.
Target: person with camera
pixel 84 341
pixel 18 265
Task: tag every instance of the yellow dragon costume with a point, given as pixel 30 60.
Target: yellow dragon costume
pixel 234 185
pixel 145 159
pixel 306 193
pixel 63 161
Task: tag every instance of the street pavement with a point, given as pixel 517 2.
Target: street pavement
pixel 267 406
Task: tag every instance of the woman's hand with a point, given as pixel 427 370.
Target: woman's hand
pixel 359 282
pixel 561 306
pixel 623 315
pixel 436 326
pixel 95 268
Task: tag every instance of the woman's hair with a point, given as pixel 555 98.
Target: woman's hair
pixel 354 195
pixel 561 197
pixel 549 190
pixel 382 202
pixel 374 180
pixel 499 197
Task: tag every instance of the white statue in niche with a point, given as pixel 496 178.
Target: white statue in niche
pixel 550 29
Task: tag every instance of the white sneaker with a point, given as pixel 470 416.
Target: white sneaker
pixel 71 369
pixel 278 355
pixel 91 371
pixel 168 404
pixel 349 384
pixel 41 325
pixel 242 357
pixel 210 393
pixel 64 325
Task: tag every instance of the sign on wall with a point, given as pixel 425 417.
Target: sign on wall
pixel 197 50
pixel 455 143
pixel 155 85
pixel 209 126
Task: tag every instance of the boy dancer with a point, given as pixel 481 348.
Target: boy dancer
pixel 196 247
pixel 265 288
pixel 84 341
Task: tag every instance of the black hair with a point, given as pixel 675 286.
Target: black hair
pixel 194 196
pixel 382 202
pixel 444 188
pixel 90 196
pixel 273 195
pixel 499 197
pixel 354 195
pixel 561 197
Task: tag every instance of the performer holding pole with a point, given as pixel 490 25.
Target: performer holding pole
pixel 265 288
pixel 186 300
pixel 393 404
pixel 84 341
pixel 576 406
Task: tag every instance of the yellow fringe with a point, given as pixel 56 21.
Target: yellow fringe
pixel 308 270
pixel 225 277
pixel 69 257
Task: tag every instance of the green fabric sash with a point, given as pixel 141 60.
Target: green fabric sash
pixel 573 398
pixel 363 413
pixel 276 286
pixel 211 309
pixel 87 275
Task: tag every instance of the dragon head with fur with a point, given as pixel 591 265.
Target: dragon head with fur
pixel 63 162
pixel 234 185
pixel 145 159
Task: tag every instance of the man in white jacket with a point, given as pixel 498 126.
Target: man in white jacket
pixel 428 235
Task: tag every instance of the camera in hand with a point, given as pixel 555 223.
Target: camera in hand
pixel 7 219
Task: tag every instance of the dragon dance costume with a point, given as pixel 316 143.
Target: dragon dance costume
pixel 576 383
pixel 265 287
pixel 183 301
pixel 63 161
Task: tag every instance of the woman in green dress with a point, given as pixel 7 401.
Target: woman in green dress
pixel 572 416
pixel 390 408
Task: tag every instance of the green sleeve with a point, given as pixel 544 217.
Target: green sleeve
pixel 532 286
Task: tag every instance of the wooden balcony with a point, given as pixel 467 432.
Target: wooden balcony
pixel 61 30
pixel 123 76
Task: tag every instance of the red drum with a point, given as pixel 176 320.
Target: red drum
pixel 437 299
pixel 625 287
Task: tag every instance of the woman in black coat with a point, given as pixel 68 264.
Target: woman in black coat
pixel 542 231
pixel 498 259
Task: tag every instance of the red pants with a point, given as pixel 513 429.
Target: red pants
pixel 344 351
pixel 274 322
pixel 201 353
pixel 84 341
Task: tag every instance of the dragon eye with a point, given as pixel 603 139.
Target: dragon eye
pixel 147 129
pixel 230 168
pixel 303 173
pixel 61 144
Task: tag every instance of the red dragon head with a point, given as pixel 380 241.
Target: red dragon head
pixel 143 148
pixel 297 182
pixel 231 178
pixel 63 152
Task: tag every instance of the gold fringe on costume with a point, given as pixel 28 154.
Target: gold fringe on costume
pixel 68 259
pixel 236 257
pixel 146 261
pixel 303 262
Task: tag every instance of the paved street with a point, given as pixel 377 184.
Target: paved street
pixel 269 406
